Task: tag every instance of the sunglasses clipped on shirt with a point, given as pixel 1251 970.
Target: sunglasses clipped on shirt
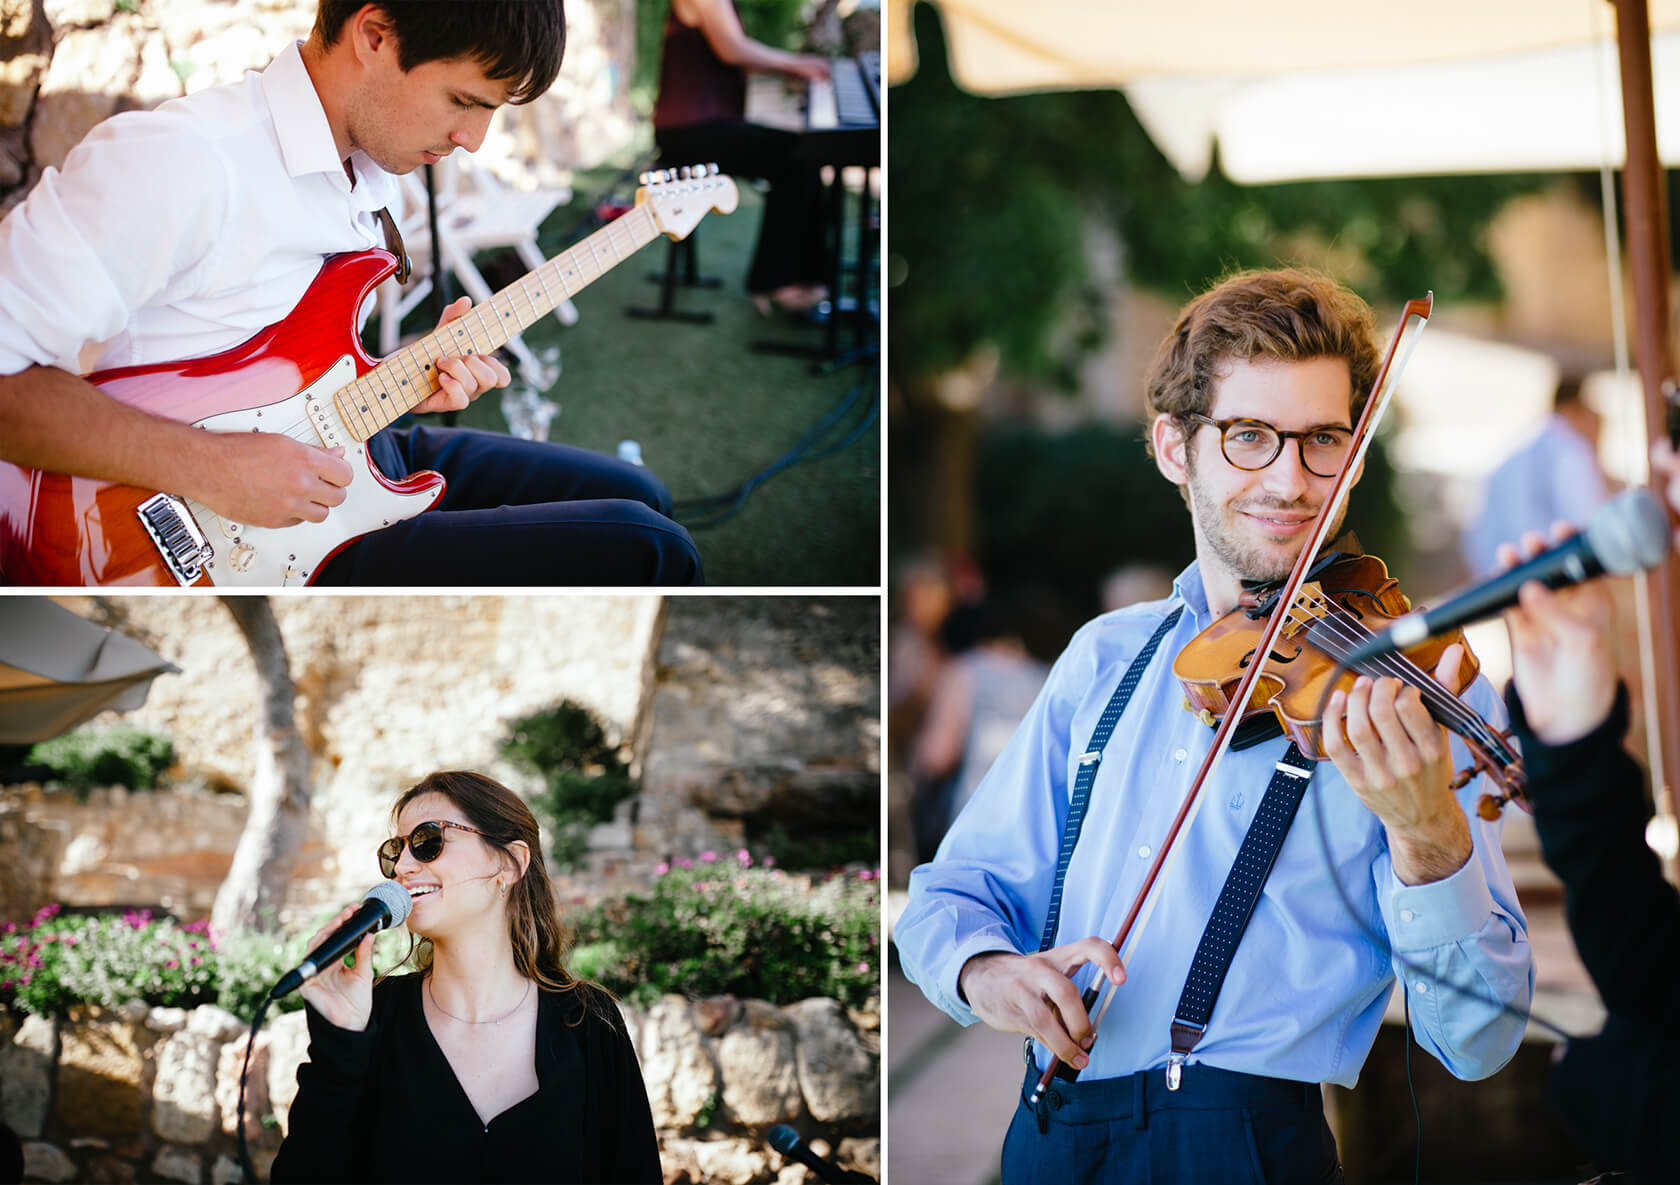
pixel 425 841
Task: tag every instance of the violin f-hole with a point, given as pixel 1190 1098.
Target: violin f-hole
pixel 1242 663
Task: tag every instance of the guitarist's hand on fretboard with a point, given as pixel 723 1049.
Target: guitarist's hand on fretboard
pixel 461 380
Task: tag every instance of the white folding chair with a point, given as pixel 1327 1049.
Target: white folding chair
pixel 476 212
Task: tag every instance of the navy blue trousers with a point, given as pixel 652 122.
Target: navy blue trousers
pixel 519 512
pixel 1218 1128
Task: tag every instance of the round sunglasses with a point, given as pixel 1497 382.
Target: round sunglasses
pixel 425 841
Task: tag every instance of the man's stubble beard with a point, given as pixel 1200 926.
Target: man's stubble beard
pixel 1249 563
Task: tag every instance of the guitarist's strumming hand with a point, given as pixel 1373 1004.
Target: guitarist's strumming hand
pixel 1032 994
pixel 461 380
pixel 265 479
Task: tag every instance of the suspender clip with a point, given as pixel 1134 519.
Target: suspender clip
pixel 1175 1069
pixel 1091 757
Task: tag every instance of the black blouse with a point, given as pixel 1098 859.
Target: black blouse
pixel 1618 1090
pixel 385 1105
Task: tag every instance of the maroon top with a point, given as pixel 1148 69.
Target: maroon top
pixel 695 85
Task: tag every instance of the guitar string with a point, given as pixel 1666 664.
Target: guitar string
pixel 627 228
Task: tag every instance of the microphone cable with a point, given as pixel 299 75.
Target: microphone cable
pixel 700 513
pixel 244 1071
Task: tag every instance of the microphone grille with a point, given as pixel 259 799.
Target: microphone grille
pixel 783 1138
pixel 1630 532
pixel 394 898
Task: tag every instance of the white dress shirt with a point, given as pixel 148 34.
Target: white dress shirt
pixel 180 232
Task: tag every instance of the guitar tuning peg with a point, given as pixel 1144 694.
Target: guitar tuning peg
pixel 644 179
pixel 712 169
pixel 670 174
pixel 687 172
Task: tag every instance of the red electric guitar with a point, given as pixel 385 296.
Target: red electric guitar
pixel 309 377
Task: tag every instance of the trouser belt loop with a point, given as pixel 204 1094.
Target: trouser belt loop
pixel 1184 1038
pixel 1140 1102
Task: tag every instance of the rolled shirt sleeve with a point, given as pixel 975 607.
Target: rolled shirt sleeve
pixel 138 209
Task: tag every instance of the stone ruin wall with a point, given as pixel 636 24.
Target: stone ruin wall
pixel 735 712
pixel 139 1093
pixel 65 65
pixel 389 689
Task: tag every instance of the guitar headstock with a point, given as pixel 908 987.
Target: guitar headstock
pixel 679 198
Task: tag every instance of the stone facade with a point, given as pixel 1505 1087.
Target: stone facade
pixel 152 1094
pixel 65 65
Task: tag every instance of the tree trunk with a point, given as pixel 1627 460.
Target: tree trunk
pixel 275 829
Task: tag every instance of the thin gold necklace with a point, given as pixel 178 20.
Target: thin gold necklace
pixel 463 1019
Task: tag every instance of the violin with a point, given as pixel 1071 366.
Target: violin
pixel 1346 600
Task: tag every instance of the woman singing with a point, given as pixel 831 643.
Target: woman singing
pixel 490 1064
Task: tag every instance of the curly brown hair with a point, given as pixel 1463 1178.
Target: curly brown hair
pixel 1290 314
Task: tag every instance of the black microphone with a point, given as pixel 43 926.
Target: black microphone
pixel 1628 533
pixel 386 904
pixel 786 1141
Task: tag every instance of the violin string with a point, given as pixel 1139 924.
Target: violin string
pixel 1348 631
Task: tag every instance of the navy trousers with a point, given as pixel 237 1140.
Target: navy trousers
pixel 519 512
pixel 1218 1128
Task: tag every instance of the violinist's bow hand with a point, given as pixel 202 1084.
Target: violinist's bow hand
pixel 1035 995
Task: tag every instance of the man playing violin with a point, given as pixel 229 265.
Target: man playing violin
pixel 181 232
pixel 1254 398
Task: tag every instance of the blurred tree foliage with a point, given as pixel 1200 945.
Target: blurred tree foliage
pixel 1058 512
pixel 990 199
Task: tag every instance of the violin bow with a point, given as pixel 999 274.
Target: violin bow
pixel 1413 318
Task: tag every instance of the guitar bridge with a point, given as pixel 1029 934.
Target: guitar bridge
pixel 177 536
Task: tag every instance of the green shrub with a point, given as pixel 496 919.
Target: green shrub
pixel 55 961
pixel 118 756
pixel 823 849
pixel 584 777
pixel 716 926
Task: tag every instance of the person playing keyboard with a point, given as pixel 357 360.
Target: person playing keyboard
pixel 699 115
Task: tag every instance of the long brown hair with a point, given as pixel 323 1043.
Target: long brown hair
pixel 539 938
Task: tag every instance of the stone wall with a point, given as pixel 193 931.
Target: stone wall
pixel 766 710
pixel 735 712
pixel 67 64
pixel 151 1094
pixel 389 689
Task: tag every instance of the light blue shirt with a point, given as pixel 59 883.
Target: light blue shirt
pixel 1307 987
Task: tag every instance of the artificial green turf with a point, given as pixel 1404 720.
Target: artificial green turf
pixel 709 413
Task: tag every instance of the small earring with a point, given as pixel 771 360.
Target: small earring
pixel 502 885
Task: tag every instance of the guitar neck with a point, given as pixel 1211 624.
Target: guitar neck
pixel 406 378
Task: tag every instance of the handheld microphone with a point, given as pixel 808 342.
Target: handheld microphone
pixel 786 1141
pixel 386 904
pixel 1628 533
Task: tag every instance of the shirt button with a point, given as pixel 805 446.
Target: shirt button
pixel 1421 988
pixel 1180 755
pixel 1407 915
pixel 1143 852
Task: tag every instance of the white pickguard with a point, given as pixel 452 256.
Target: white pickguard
pixel 247 556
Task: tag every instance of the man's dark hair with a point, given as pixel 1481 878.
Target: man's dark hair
pixel 514 40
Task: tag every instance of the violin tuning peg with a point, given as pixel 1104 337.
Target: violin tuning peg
pixel 1487 806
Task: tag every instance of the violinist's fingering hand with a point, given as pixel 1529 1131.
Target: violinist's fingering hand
pixel 1560 648
pixel 1035 995
pixel 1397 760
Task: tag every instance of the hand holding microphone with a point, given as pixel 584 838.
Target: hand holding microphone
pixel 1560 649
pixel 344 995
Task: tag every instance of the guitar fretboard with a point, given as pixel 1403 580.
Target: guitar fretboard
pixel 408 376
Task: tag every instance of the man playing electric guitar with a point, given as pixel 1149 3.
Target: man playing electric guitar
pixel 1255 393
pixel 184 231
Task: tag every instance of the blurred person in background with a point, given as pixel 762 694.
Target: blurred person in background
pixel 1554 477
pixel 699 116
pixel 983 690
